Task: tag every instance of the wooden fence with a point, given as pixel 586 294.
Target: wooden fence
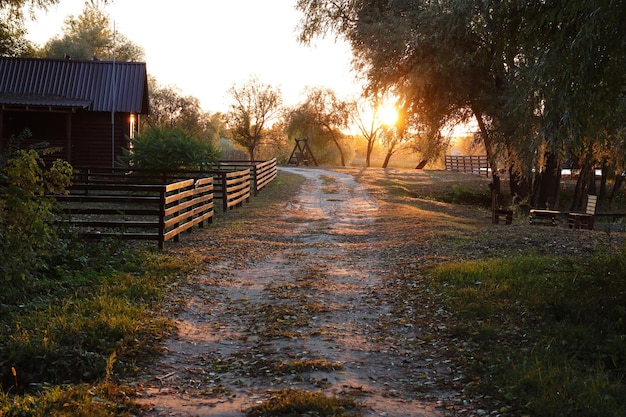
pixel 232 187
pixel 261 172
pixel 144 204
pixel 471 164
pixel 114 205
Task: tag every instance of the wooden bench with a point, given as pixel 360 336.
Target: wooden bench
pixel 584 220
pixel 507 214
pixel 544 217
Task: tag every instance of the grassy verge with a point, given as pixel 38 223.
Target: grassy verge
pixel 69 335
pixel 295 402
pixel 546 334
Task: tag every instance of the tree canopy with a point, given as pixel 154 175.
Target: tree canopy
pixel 254 106
pixel 170 109
pixel 541 79
pixel 91 36
pixel 322 117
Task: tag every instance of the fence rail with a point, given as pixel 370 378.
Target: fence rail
pixel 105 207
pixel 156 205
pixel 261 172
pixel 471 164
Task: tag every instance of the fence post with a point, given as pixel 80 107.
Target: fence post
pixel 224 192
pixel 162 195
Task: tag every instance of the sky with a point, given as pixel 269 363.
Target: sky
pixel 204 47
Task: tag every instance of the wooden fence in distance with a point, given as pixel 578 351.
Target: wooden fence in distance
pixel 471 164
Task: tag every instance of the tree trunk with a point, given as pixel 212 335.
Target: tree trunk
pixel 387 158
pixel 583 186
pixel 619 180
pixel 519 186
pixel 422 164
pixel 548 187
pixel 368 154
pixel 490 156
pixel 343 160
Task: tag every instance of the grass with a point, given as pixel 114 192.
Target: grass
pixel 547 332
pixel 67 336
pixel 295 403
pixel 71 336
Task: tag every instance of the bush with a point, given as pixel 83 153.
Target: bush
pixel 26 217
pixel 168 148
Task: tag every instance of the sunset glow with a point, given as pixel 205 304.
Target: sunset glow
pixel 387 114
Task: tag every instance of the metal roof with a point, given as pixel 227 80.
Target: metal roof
pixel 104 86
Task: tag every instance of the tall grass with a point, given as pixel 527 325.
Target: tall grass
pixel 548 334
pixel 90 320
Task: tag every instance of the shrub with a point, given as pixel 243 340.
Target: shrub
pixel 168 148
pixel 26 218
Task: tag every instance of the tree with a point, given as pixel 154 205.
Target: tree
pixel 90 36
pixel 255 106
pixel 418 51
pixel 27 221
pixel 170 109
pixel 323 116
pixel 574 55
pixel 13 42
pixel 366 118
pixel 16 7
pixel 168 148
pixel 534 75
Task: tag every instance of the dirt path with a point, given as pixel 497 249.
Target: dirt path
pixel 311 313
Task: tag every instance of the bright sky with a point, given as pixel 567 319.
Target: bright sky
pixel 204 47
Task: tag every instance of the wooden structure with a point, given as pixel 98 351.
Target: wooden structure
pixel 261 172
pixel 115 204
pixel 545 217
pixel 470 164
pixel 301 153
pixel 87 109
pixel 147 204
pixel 232 187
pixel 584 220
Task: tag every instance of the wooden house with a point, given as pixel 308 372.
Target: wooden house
pixel 87 109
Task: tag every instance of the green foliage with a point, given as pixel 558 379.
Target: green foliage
pixel 547 333
pixel 26 213
pixel 89 35
pixel 74 401
pixel 459 194
pixel 93 316
pixel 168 148
pixel 13 40
pixel 541 78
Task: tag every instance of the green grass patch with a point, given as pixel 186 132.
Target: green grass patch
pixel 97 316
pixel 547 335
pixel 296 402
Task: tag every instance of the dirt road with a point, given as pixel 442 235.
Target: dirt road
pixel 308 312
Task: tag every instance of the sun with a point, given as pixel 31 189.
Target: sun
pixel 387 114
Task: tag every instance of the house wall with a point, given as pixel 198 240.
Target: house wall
pixel 42 127
pixel 84 138
pixel 92 141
